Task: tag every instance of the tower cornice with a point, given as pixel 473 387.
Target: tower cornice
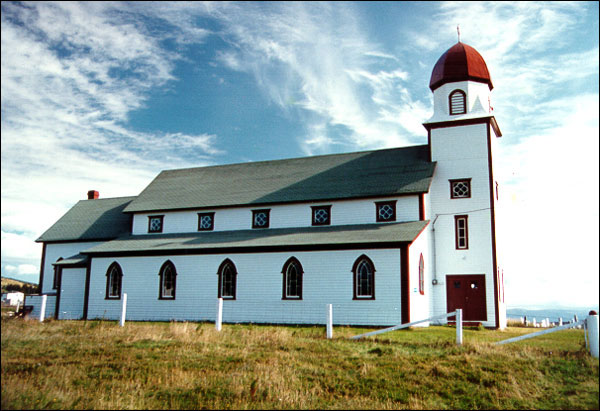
pixel 491 120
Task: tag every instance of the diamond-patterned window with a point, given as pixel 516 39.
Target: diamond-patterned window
pixel 321 215
pixel 386 211
pixel 155 224
pixel 206 221
pixel 260 218
pixel 460 188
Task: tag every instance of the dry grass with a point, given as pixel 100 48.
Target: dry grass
pixel 99 365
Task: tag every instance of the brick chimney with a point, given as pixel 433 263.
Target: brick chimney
pixel 93 195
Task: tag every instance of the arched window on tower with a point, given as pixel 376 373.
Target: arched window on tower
pixel 457 102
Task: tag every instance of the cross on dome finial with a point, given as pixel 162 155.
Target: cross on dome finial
pixel 458 32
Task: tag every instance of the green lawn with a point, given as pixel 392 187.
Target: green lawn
pixel 97 364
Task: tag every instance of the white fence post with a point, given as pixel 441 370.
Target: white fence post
pixel 592 326
pixel 218 323
pixel 123 310
pixel 329 321
pixel 459 328
pixel 43 309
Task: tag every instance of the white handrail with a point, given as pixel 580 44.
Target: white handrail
pixel 399 326
pixel 550 330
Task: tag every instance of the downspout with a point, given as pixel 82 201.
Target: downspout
pixel 86 296
pixel 57 305
pixel 41 282
pixel 434 281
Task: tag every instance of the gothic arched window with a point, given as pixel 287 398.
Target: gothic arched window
pixel 168 281
pixel 292 279
pixel 114 276
pixel 227 280
pixel 364 278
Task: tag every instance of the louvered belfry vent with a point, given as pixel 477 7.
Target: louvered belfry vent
pixel 458 102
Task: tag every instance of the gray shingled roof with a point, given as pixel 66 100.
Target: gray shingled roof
pixel 347 236
pixel 77 260
pixel 91 220
pixel 353 175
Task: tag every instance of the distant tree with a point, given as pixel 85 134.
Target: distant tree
pixel 24 288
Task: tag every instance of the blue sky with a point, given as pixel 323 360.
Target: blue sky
pixel 105 95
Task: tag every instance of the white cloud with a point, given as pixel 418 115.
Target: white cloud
pixel 299 52
pixel 550 218
pixel 71 74
pixel 18 246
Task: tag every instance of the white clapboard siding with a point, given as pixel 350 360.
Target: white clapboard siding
pixel 71 294
pixel 281 216
pixel 462 152
pixel 54 251
pixel 327 279
pixel 36 302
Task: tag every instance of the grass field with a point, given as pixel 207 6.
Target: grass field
pixel 99 365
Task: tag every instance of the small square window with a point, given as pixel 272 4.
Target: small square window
pixel 386 211
pixel 206 221
pixel 321 215
pixel 260 218
pixel 460 188
pixel 155 224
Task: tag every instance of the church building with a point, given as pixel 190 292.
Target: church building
pixel 386 236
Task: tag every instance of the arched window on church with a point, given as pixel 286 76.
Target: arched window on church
pixel 292 279
pixel 457 102
pixel 168 281
pixel 421 275
pixel 364 278
pixel 227 280
pixel 114 278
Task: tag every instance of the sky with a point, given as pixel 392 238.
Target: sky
pixel 105 95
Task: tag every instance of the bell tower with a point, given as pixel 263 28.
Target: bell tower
pixel 461 84
pixel 462 136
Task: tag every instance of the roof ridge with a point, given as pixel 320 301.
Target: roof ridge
pixel 294 158
pixel 108 198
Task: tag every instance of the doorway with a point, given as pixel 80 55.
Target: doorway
pixel 468 293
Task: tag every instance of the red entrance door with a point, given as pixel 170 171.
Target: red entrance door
pixel 467 292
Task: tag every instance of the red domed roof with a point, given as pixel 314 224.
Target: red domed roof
pixel 461 62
